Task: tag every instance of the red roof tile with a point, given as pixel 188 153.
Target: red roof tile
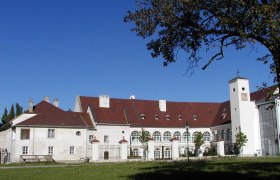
pixel 50 115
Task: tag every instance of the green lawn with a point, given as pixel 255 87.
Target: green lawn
pixel 217 168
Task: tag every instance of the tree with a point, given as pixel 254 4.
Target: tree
pixel 190 25
pixel 11 113
pixel 198 141
pixel 240 142
pixel 5 117
pixel 143 138
pixel 19 110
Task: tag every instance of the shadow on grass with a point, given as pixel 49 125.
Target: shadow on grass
pixel 211 170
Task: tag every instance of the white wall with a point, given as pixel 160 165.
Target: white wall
pixel 64 138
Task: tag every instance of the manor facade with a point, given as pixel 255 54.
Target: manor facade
pixel 103 128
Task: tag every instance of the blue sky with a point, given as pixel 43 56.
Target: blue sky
pixel 66 48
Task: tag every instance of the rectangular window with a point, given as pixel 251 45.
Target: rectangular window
pixel 106 139
pixel 50 150
pixel 90 138
pixel 51 133
pixel 24 149
pixel 72 149
pixel 25 134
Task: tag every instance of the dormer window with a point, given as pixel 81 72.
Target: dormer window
pixel 156 117
pixel 194 117
pixel 180 117
pixel 168 117
pixel 224 115
pixel 142 116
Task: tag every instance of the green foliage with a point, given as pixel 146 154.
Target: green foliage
pixel 144 137
pixel 210 152
pixel 198 140
pixel 5 117
pixel 241 140
pixel 19 110
pixel 189 25
pixel 11 114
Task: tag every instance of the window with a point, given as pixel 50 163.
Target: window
pixel 222 134
pixel 24 149
pixel 51 133
pixel 78 133
pixel 167 153
pixel 185 136
pixel 157 136
pixel 193 136
pixel 106 139
pixel 90 138
pixel 180 117
pixel 228 134
pixel 206 136
pixel 50 150
pixel 194 117
pixel 135 152
pixel 218 136
pixel 72 150
pixel 142 116
pixel 177 135
pixel 25 134
pixel 166 136
pixel 156 117
pixel 157 153
pixel 168 117
pixel 135 136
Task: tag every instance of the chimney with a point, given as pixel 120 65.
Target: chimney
pixel 55 102
pixel 162 105
pixel 30 109
pixel 132 97
pixel 104 101
pixel 47 99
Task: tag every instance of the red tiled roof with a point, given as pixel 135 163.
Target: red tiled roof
pixel 50 115
pixel 127 111
pixel 262 94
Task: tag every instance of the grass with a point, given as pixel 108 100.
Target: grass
pixel 217 168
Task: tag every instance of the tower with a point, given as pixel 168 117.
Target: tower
pixel 244 115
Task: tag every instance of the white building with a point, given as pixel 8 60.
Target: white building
pixel 104 128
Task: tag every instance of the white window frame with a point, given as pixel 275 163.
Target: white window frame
pixel 166 136
pixel 51 133
pixel 135 152
pixel 91 137
pixel 106 139
pixel 72 150
pixel 50 150
pixel 24 150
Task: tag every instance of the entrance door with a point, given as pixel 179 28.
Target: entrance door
pixel 106 155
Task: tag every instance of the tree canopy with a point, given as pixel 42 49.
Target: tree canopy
pixel 189 25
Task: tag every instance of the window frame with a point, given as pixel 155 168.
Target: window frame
pixel 25 150
pixel 72 150
pixel 51 133
pixel 23 134
pixel 50 150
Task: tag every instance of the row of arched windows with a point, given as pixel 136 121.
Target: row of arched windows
pixel 135 136
pixel 223 135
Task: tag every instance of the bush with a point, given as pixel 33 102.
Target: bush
pixel 210 152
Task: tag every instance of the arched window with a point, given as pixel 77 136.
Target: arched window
pixel 166 136
pixel 228 134
pixel 157 136
pixel 218 135
pixel 193 136
pixel 177 135
pixel 135 152
pixel 185 136
pixel 222 134
pixel 135 136
pixel 206 136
